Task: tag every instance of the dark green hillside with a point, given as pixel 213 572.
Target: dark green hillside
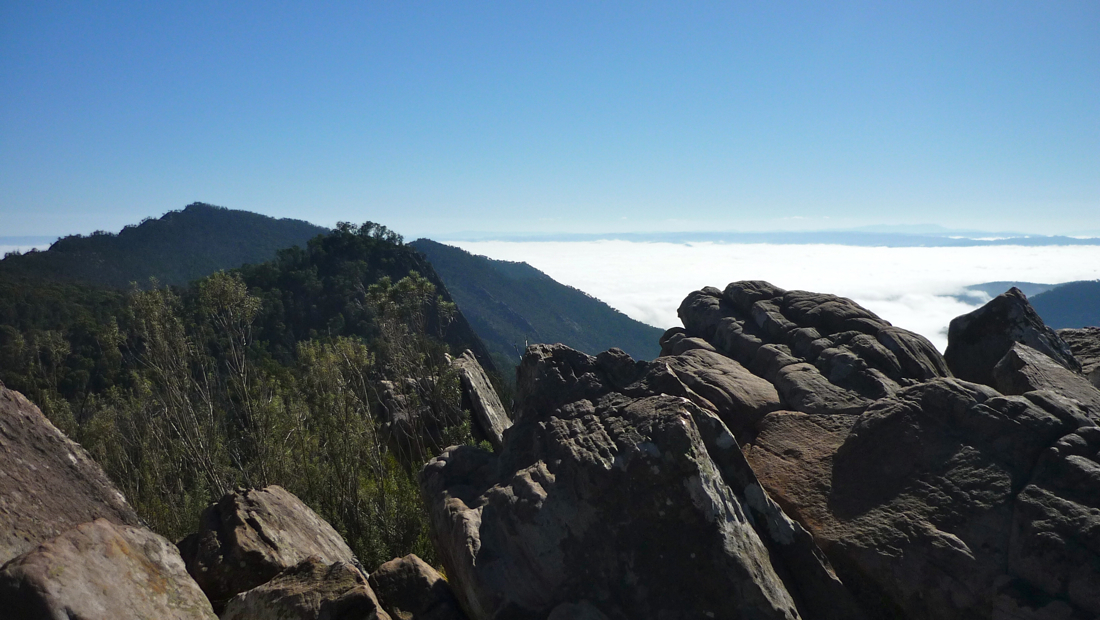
pixel 179 247
pixel 322 370
pixel 509 304
pixel 320 291
pixel 68 338
pixel 1070 305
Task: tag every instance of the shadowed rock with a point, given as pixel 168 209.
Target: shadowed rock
pixel 251 535
pixel 978 340
pixel 48 483
pixel 409 589
pixel 309 590
pixel 100 570
pixel 1055 546
pixel 610 499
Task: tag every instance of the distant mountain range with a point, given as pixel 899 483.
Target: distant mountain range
pixel 177 248
pixel 312 279
pixel 511 304
pixel 507 304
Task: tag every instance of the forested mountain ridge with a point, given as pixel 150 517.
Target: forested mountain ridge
pixel 60 335
pixel 323 371
pixel 177 248
pixel 1070 305
pixel 511 304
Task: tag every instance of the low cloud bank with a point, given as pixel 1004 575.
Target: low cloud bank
pixel 912 287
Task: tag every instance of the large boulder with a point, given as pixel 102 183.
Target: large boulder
pixel 410 589
pixel 309 590
pixel 609 500
pixel 1085 344
pixel 915 500
pixel 100 571
pixel 823 353
pixel 978 340
pixel 1024 370
pixel 490 418
pixel 48 483
pixel 251 535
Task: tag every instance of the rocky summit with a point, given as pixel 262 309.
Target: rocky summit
pixel 789 455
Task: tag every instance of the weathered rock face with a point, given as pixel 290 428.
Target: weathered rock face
pixel 490 418
pixel 978 340
pixel 1085 344
pixel 608 500
pixel 310 590
pixel 823 353
pixel 251 535
pixel 914 500
pixel 409 589
pixel 100 570
pixel 48 483
pixel 1024 370
pixel 1056 526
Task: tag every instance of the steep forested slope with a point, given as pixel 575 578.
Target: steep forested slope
pixel 179 247
pixel 509 304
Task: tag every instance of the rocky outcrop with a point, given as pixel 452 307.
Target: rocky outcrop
pixel 609 500
pixel 1085 344
pixel 310 590
pixel 409 589
pixel 101 570
pixel 251 535
pixel 864 479
pixel 978 340
pixel 1055 550
pixel 490 418
pixel 48 483
pixel 913 501
pixel 1024 370
pixel 823 353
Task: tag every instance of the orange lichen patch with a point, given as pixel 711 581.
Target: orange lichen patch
pixel 793 458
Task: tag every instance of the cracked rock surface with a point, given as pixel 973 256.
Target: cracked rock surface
pixel 48 483
pixel 251 535
pixel 613 500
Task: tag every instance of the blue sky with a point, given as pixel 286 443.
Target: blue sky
pixel 436 118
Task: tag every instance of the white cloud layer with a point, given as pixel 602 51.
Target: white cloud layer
pixel 910 287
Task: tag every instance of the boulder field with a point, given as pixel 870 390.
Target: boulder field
pixel 789 455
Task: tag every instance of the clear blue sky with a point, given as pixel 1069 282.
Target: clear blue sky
pixel 553 117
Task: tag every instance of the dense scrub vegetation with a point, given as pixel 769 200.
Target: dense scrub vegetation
pixel 510 304
pixel 175 249
pixel 299 372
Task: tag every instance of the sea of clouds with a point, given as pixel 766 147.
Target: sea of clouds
pixel 914 288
